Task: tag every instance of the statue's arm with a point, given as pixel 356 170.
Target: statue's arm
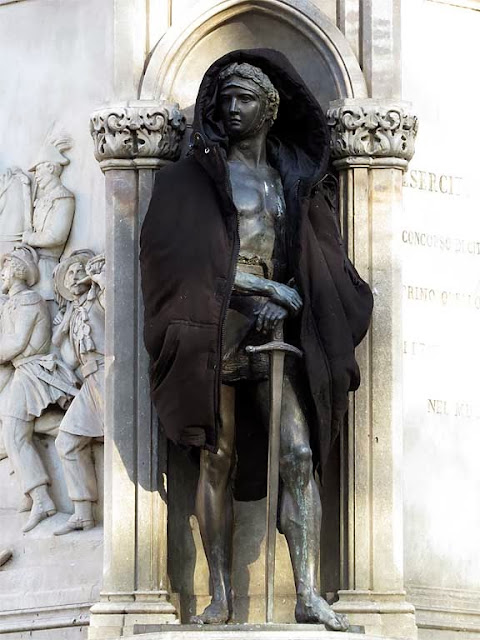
pixel 279 293
pixel 57 228
pixel 12 344
pixel 96 270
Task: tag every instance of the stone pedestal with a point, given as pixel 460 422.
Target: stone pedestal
pixel 247 632
pixel 372 142
pixel 131 142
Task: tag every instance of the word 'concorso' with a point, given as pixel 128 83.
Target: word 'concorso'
pixel 440 242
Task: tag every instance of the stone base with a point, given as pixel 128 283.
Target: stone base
pixel 244 632
pixel 115 619
pixel 47 587
pixel 383 614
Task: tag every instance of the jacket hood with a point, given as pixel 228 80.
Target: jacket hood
pixel 298 142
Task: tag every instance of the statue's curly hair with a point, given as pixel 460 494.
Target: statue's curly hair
pixel 19 267
pixel 256 75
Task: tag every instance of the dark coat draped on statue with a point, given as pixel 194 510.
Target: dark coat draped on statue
pixel 189 248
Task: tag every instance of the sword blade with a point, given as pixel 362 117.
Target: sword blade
pixel 276 390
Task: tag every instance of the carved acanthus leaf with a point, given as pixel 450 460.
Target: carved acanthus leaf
pixel 138 130
pixel 372 129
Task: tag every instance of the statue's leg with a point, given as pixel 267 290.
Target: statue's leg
pixel 76 455
pixel 214 509
pixel 24 458
pixel 28 467
pixel 301 510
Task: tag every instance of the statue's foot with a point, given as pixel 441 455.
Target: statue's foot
pixel 40 511
pixel 313 609
pixel 217 612
pixel 74 524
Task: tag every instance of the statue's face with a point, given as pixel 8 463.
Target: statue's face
pixel 9 273
pixel 242 107
pixel 73 279
pixel 43 174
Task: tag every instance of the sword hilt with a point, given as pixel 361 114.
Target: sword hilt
pixel 274 346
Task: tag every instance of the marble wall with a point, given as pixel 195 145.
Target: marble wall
pixel 56 65
pixel 440 244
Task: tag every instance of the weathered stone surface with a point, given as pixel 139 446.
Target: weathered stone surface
pixel 372 132
pixel 138 130
pixel 247 632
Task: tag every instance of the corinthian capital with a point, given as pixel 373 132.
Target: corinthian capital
pixel 137 134
pixel 371 133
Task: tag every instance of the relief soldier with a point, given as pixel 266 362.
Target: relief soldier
pixel 80 334
pixel 53 211
pixel 31 378
pixel 240 237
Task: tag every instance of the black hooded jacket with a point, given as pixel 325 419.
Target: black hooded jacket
pixel 189 249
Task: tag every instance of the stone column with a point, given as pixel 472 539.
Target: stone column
pixel 132 141
pixel 372 142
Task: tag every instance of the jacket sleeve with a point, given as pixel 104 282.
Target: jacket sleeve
pixel 354 293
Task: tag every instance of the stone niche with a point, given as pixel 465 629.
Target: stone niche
pixel 175 70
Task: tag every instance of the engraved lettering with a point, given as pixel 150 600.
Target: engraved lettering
pixel 433 182
pixel 438 407
pixel 440 242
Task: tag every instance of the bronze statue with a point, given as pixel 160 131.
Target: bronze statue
pixel 264 250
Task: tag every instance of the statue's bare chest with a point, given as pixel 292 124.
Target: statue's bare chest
pixel 258 197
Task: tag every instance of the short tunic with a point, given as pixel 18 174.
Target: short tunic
pixel 85 415
pixel 240 332
pixel 28 392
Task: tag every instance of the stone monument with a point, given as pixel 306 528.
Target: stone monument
pixel 253 244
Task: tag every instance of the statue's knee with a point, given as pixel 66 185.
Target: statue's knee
pixel 296 463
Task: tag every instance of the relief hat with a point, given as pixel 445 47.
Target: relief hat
pixel 60 271
pixel 29 259
pixel 53 151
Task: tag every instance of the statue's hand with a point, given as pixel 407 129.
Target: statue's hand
pixel 286 297
pixel 58 319
pixel 95 269
pixel 269 316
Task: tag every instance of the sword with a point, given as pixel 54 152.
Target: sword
pixel 277 349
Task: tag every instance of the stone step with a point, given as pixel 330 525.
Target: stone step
pixel 243 632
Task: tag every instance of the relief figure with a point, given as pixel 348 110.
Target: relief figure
pixel 80 335
pixel 31 377
pixel 53 211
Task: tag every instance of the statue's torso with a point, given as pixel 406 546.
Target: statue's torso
pixel 258 196
pixel 87 327
pixel 28 302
